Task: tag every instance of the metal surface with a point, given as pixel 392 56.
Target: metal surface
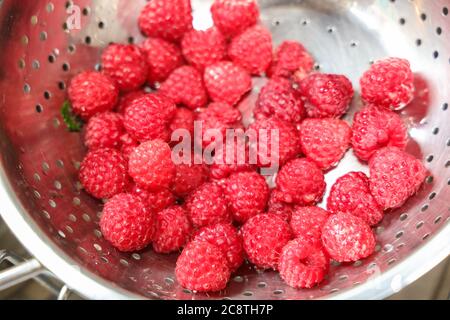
pixel 42 201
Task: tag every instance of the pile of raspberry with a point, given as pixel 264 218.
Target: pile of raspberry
pixel 219 215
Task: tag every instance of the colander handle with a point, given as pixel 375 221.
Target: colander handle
pixel 23 270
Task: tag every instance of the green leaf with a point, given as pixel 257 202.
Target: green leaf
pixel 74 123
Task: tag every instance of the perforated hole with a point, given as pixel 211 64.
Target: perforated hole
pixel 445 107
pixel 66 66
pixel 87 40
pixel 423 16
pixel 278 292
pixel 50 7
pixel 43 36
pixel 36 64
pixel 439 31
pixel 47 95
pixel 445 11
pixel 52 203
pixel 436 54
pixel 402 21
pixel 262 285
pixel 418 42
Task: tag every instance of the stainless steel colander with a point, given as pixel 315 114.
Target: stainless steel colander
pixel 44 43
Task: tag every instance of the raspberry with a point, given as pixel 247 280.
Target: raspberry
pixel 347 238
pixel 300 182
pixel 204 48
pixel 283 210
pixel 148 117
pixel 126 99
pixel 326 95
pixel 151 165
pixel 227 82
pixel 103 173
pixel 291 61
pixel 167 19
pixel 325 141
pixel 126 65
pixel 155 201
pixel 216 119
pixel 303 265
pixel 127 145
pixel 104 131
pixel 91 93
pixel 252 50
pixel 183 119
pixel 247 194
pixel 231 158
pixel 188 178
pixel 185 86
pixel 207 205
pixel 288 142
pixel 234 16
pixel 202 267
pixel 279 100
pixel 389 83
pixel 375 128
pixel 395 176
pixel 126 223
pixel 264 237
pixel 163 58
pixel 172 229
pixel 351 194
pixel 226 238
pixel 307 222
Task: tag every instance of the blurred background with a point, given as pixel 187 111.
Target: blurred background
pixel 434 285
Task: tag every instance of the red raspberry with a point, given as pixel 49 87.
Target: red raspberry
pixel 126 223
pixel 234 16
pixel 183 119
pixel 326 95
pixel 128 98
pixel 347 238
pixel 91 93
pixel 231 158
pixel 303 265
pixel 227 82
pixel 375 128
pixel 252 50
pixel 151 165
pixel 167 19
pixel 172 229
pixel 185 86
pixel 226 238
pixel 288 141
pixel 279 208
pixel 148 117
pixel 103 173
pixel 207 205
pixel 307 223
pixel 126 65
pixel 264 237
pixel 351 194
pixel 395 176
pixel 279 100
pixel 388 83
pixel 300 182
pixel 202 267
pixel 291 61
pixel 247 194
pixel 204 48
pixel 155 201
pixel 163 58
pixel 188 178
pixel 127 145
pixel 216 119
pixel 104 131
pixel 325 141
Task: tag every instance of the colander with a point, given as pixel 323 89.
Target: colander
pixel 44 43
